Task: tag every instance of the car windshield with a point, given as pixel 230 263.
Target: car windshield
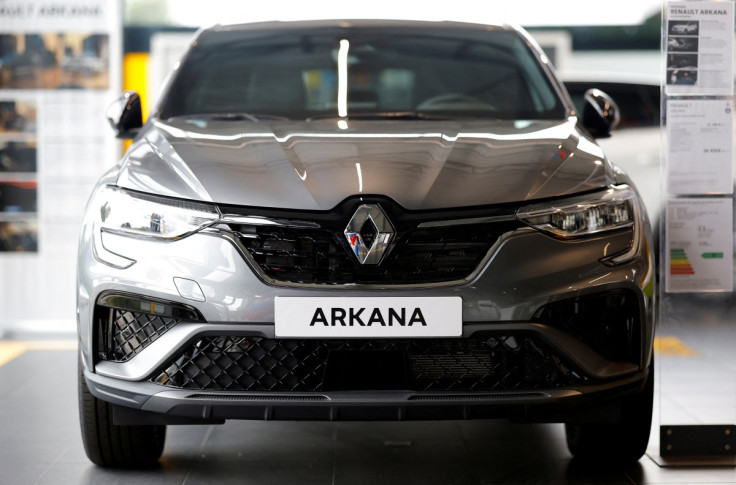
pixel 362 72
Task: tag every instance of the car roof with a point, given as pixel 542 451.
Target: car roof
pixel 326 23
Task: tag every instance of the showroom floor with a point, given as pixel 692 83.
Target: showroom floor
pixel 41 444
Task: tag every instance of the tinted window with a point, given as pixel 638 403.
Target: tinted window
pixel 297 74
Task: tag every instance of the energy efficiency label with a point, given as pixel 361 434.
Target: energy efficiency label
pixel 699 251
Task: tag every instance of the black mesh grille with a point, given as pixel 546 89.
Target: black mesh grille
pixel 126 324
pixel 494 363
pixel 609 322
pixel 419 255
pixel 127 332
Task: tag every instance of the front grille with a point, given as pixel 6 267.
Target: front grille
pixel 491 363
pixel 418 255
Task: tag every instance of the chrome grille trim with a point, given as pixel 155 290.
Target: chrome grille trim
pixel 266 221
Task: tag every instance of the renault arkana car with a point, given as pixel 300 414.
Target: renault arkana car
pixel 364 220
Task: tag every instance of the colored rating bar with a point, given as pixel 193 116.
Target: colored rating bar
pixel 712 255
pixel 679 264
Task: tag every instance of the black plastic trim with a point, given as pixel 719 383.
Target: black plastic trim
pixel 131 302
pixel 577 404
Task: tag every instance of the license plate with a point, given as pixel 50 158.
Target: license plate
pixel 369 317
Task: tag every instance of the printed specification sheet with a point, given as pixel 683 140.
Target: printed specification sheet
pixel 699 141
pixel 699 48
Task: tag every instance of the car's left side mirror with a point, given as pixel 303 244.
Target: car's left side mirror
pixel 600 113
pixel 125 115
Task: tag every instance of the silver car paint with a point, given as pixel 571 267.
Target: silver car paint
pixel 526 271
pixel 314 165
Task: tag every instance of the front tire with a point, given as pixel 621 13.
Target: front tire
pixel 109 445
pixel 619 443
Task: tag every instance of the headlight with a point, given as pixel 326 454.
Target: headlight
pixel 141 215
pixel 615 208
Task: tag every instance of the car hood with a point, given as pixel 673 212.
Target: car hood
pixel 315 165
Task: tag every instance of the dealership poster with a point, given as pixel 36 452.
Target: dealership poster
pixel 60 67
pixel 699 250
pixel 54 69
pixel 699 48
pixel 699 146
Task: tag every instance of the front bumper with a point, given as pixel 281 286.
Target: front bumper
pixel 146 403
pixel 527 271
pixel 544 374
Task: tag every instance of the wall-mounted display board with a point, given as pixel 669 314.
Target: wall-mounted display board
pixel 698 39
pixel 694 359
pixel 59 70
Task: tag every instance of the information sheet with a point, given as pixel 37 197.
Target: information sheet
pixel 699 249
pixel 699 146
pixel 700 48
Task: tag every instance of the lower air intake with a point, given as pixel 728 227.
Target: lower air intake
pixel 494 363
pixel 127 324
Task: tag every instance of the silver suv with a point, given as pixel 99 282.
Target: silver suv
pixel 364 220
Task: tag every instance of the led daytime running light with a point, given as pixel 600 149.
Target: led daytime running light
pixel 142 215
pixel 580 216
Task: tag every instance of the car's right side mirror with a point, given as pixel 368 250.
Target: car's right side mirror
pixel 600 113
pixel 125 115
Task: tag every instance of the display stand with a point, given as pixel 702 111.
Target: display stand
pixel 696 381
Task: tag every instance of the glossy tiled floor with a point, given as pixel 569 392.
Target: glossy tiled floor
pixel 41 445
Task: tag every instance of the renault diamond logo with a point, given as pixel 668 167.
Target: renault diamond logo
pixel 369 233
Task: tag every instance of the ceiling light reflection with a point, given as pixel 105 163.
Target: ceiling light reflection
pixel 360 177
pixel 342 78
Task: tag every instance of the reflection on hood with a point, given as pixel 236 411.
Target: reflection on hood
pixel 315 165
